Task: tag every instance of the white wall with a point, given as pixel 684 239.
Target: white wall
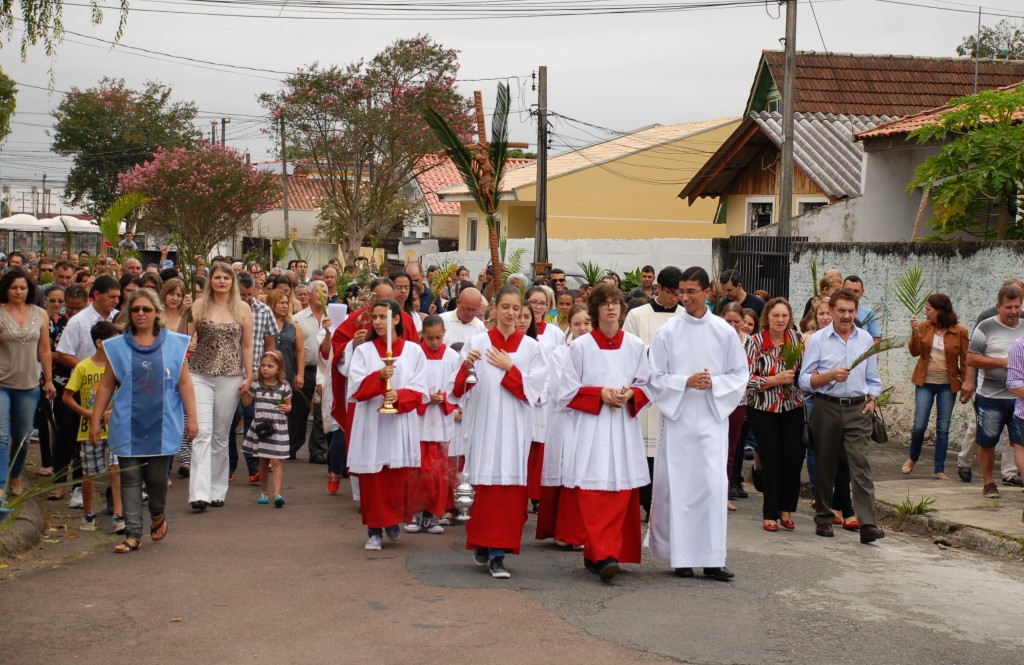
pixel 969 273
pixel 271 224
pixel 618 255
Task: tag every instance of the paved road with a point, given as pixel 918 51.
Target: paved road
pixel 251 584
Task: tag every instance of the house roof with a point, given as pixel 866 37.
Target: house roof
pixel 903 126
pixel 895 85
pixel 824 148
pixel 302 194
pixel 440 173
pixel 599 153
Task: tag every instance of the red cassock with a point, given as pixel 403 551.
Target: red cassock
pixel 341 410
pixel 429 486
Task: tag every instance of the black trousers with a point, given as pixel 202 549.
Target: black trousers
pixel 66 451
pixel 781 445
pixel 302 402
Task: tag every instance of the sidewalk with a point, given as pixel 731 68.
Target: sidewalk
pixel 962 517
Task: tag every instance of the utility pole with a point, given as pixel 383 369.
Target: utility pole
pixel 788 94
pixel 224 131
pixel 284 180
pixel 213 132
pixel 540 240
pixel 42 198
pixel 977 51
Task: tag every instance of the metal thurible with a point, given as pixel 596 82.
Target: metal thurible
pixel 464 494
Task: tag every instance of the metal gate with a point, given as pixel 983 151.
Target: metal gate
pixel 763 261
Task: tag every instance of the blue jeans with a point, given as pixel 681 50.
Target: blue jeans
pixel 336 458
pixel 944 399
pixel 17 409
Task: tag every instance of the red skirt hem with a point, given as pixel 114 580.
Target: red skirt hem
pixel 497 518
pixel 428 485
pixel 609 523
pixel 547 512
pixel 534 470
pixel 382 497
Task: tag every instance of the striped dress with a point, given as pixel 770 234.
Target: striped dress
pixel 267 400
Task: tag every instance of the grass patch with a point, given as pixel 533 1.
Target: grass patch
pixel 908 507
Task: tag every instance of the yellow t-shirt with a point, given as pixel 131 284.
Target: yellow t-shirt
pixel 85 380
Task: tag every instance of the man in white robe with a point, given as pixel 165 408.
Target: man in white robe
pixel 643 322
pixel 698 374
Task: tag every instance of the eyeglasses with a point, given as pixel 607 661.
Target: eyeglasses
pixel 46 270
pixel 537 303
pixel 142 310
pixel 689 292
pixel 608 304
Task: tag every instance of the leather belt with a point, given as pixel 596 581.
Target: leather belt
pixel 841 401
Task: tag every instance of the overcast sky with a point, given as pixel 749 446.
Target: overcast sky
pixel 620 72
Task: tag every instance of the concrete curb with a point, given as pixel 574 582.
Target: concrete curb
pixel 21 534
pixel 953 534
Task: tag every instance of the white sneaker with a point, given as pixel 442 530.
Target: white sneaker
pixel 373 543
pixel 119 525
pixel 88 522
pixel 76 499
pixel 433 526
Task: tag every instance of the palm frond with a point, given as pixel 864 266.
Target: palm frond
pixel 592 272
pixel 278 250
pixel 910 290
pixel 885 344
pixel 499 138
pixel 514 263
pixel 110 223
pixel 814 276
pixel 456 151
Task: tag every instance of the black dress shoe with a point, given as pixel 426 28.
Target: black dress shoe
pixel 590 565
pixel 608 569
pixel 869 534
pixel 199 506
pixel 684 572
pixel 733 494
pixel 318 459
pixel 184 471
pixel 823 530
pixel 722 574
pixel 740 492
pixel 964 472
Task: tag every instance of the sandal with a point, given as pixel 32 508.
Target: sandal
pixel 158 528
pixel 731 507
pixel 908 466
pixel 129 545
pixel 45 472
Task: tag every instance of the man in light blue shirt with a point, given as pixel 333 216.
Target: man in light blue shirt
pixel 866 317
pixel 843 409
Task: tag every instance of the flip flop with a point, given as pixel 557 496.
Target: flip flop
pixel 158 529
pixel 908 466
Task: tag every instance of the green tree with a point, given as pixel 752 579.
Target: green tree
pixel 361 132
pixel 200 196
pixel 42 20
pixel 8 94
pixel 482 168
pixel 1004 41
pixel 979 165
pixel 109 129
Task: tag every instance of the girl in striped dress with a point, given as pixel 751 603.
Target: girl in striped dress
pixel 267 439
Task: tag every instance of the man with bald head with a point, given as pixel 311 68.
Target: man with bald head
pixel 462 323
pixel 133 267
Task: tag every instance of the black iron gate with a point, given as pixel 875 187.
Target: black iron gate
pixel 763 261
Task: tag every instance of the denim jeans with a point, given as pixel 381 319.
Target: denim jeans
pixel 17 408
pixel 135 470
pixel 336 458
pixel 944 399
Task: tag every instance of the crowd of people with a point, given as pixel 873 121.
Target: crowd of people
pixel 596 409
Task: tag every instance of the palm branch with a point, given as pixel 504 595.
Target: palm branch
pixel 278 250
pixel 457 152
pixel 514 263
pixel 814 276
pixel 885 344
pixel 110 222
pixel 910 290
pixel 592 273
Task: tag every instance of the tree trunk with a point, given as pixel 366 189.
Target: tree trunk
pixel 920 214
pixel 1004 219
pixel 492 241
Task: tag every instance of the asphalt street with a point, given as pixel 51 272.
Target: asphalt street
pixel 255 584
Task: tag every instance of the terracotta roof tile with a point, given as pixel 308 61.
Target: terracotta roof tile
pixel 895 85
pixel 302 194
pixel 904 126
pixel 443 173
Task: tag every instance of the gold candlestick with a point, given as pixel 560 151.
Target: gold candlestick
pixel 388 406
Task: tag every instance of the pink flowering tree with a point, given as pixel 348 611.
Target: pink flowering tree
pixel 359 133
pixel 200 196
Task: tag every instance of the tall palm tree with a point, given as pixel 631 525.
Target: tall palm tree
pixel 482 165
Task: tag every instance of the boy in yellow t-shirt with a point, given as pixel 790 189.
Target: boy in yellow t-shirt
pixel 96 458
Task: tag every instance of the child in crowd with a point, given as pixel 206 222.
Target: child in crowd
pixel 96 458
pixel 267 438
pixel 430 489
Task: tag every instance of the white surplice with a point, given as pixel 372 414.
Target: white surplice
pixel 379 439
pixel 604 451
pixel 551 339
pixel 688 512
pixel 643 322
pixel 551 474
pixel 438 377
pixel 498 425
